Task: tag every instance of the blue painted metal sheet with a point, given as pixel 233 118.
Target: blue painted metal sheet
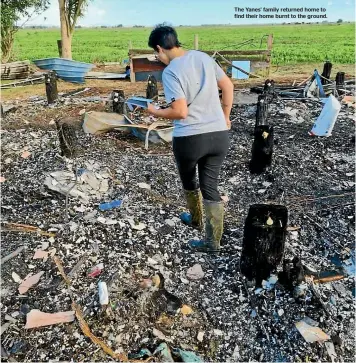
pixel 245 65
pixel 318 82
pixel 138 101
pixel 66 69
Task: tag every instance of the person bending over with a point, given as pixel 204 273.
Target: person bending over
pixel 200 135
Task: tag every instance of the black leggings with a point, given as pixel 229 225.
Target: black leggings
pixel 208 151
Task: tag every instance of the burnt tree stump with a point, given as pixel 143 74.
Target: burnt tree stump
pixel 67 138
pixel 152 89
pixel 118 101
pixel 264 239
pixel 326 72
pixel 262 149
pixel 51 87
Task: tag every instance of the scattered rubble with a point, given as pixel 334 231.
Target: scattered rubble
pixel 313 177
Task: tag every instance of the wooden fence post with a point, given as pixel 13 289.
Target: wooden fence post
pixel 269 47
pixel 59 44
pixel 51 87
pixel 196 42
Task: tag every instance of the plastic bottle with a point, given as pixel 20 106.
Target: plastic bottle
pixel 110 205
pixel 103 293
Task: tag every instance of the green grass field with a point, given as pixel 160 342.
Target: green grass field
pixel 293 44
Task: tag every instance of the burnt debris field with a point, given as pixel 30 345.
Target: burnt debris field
pixel 160 301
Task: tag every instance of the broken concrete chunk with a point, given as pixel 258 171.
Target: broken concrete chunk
pixel 16 277
pixel 29 282
pixel 157 333
pixel 37 318
pixel 200 336
pixel 195 272
pixel 144 186
pixel 40 254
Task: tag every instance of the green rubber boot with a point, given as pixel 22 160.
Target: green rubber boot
pixel 195 205
pixel 214 226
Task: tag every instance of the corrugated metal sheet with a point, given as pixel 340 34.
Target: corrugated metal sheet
pixel 66 69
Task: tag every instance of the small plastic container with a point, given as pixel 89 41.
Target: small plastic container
pixel 103 293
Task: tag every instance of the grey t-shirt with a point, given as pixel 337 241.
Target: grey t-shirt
pixel 194 77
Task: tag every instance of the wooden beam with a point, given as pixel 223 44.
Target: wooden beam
pixel 132 73
pixel 238 68
pixel 210 52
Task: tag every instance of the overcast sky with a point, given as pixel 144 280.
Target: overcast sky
pixel 189 12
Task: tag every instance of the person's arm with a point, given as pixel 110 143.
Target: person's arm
pixel 178 110
pixel 175 95
pixel 227 88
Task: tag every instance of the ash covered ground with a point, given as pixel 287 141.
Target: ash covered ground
pixel 314 177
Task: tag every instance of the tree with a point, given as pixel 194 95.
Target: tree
pixel 11 12
pixel 69 12
pixel 339 21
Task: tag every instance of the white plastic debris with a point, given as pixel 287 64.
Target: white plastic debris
pixel 103 293
pixel 324 124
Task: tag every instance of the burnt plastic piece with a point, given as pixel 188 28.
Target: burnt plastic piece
pixel 263 243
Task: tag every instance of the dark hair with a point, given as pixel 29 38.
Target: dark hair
pixel 165 36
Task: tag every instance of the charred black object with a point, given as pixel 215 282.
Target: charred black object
pixel 262 110
pixel 118 101
pixel 264 240
pixel 340 81
pixel 67 138
pixel 326 72
pixel 292 274
pixel 152 89
pixel 262 149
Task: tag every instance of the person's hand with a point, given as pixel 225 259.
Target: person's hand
pixel 228 123
pixel 151 109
